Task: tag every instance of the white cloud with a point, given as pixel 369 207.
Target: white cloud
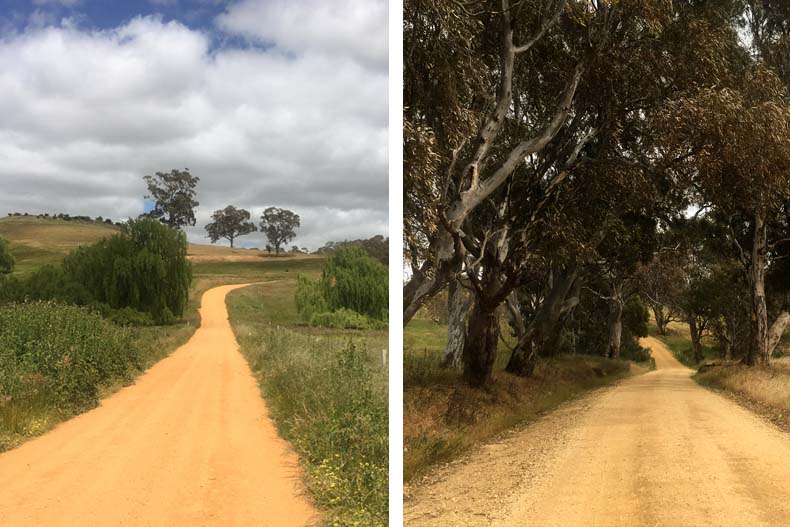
pixel 87 113
pixel 67 3
pixel 339 28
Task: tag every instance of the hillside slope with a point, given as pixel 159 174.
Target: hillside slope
pixel 39 241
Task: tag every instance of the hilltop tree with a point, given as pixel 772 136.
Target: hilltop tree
pixel 7 260
pixel 229 223
pixel 279 226
pixel 173 194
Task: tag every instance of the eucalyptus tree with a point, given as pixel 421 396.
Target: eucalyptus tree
pixel 737 145
pixel 453 153
pixel 229 223
pixel 173 194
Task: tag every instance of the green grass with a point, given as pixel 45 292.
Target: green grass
pixel 678 341
pixel 443 418
pixel 327 392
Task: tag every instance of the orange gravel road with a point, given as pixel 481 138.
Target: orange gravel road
pixel 189 444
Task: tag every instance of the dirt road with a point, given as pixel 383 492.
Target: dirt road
pixel 190 443
pixel 654 450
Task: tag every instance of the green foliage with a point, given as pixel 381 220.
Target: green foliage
pixel 61 353
pixel 7 260
pixel 353 280
pixel 279 226
pixel 351 294
pixel 229 223
pixel 174 196
pixel 330 402
pixel 309 298
pixel 143 268
pixel 587 331
pixel 345 319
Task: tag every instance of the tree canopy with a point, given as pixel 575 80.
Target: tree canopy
pixel 173 194
pixel 229 223
pixel 279 226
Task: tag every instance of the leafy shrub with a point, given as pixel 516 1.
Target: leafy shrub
pixel 60 352
pixel 129 317
pixel 309 298
pixel 344 319
pixel 6 258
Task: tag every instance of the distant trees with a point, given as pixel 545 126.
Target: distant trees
pixel 173 194
pixel 7 260
pixel 279 226
pixel 229 223
pixel 377 247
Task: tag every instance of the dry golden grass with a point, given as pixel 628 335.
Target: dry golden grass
pixel 199 252
pixel 765 390
pixel 39 241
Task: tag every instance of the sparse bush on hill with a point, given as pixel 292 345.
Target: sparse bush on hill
pixel 351 293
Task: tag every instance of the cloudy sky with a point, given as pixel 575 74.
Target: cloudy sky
pixel 270 102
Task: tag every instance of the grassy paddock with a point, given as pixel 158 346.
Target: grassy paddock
pixel 443 418
pixel 327 392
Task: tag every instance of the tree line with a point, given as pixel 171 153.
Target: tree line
pixel 575 156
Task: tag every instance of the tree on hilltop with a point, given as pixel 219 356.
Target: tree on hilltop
pixel 229 223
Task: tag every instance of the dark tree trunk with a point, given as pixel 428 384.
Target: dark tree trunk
pixel 458 305
pixel 480 344
pixel 729 339
pixel 696 339
pixel 542 335
pixel 758 348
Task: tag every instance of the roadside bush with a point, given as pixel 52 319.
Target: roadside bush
pixel 309 298
pixel 6 258
pixel 344 319
pixel 60 353
pixel 331 404
pixel 353 280
pixel 351 293
pixel 129 317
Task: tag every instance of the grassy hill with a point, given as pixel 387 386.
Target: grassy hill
pixel 39 241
